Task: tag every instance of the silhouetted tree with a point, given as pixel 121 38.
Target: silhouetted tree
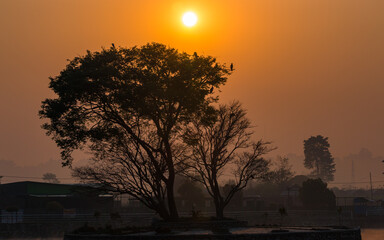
pixel 50 178
pixel 298 180
pixel 282 172
pixel 318 158
pixel 127 106
pixel 315 195
pixel 222 145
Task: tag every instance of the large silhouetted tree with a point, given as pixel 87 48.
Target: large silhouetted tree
pixel 318 158
pixel 127 106
pixel 221 148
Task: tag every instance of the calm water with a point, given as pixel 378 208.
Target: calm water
pixel 367 234
pixel 372 234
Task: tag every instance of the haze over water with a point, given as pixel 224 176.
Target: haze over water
pixel 302 67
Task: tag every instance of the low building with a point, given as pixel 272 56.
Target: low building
pixel 367 207
pixel 39 198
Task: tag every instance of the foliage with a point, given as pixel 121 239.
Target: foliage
pixel 315 195
pixel 50 178
pixel 282 172
pixel 318 158
pixel 222 145
pixel 298 180
pixel 127 106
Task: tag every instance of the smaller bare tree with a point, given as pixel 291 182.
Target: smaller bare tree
pixel 50 178
pixel 282 172
pixel 222 148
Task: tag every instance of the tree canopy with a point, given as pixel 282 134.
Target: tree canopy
pixel 282 172
pixel 50 178
pixel 315 195
pixel 127 107
pixel 318 158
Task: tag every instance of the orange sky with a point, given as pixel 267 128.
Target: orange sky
pixel 302 67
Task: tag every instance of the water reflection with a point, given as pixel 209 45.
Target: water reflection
pixel 372 234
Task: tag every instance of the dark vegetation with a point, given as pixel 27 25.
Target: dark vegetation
pixel 139 112
pixel 149 114
pixel 221 147
pixel 315 195
pixel 128 106
pixel 318 158
pixel 50 178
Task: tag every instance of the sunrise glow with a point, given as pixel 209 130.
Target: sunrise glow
pixel 189 19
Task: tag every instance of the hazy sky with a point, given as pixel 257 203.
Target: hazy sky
pixel 302 67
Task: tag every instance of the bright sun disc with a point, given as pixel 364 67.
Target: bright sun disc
pixel 189 19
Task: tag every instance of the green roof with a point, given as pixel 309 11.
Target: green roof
pixel 40 188
pixel 35 188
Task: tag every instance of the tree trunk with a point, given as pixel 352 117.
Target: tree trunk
pixel 219 207
pixel 171 197
pixel 170 182
pixel 162 211
pixel 218 200
pixel 219 211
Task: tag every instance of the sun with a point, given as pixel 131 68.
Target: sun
pixel 189 19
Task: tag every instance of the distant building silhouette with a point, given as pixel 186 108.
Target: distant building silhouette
pixel 37 197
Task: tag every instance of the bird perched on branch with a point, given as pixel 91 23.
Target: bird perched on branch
pixel 211 90
pixel 231 66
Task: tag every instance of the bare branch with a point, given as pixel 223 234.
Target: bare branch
pixel 224 147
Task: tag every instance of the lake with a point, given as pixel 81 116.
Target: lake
pixel 372 234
